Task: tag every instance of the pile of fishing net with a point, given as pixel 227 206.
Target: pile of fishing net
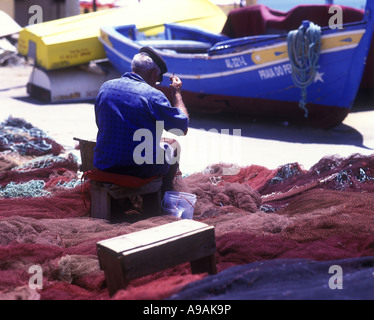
pixel 22 137
pixel 293 221
pixel 32 165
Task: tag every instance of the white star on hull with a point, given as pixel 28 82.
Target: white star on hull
pixel 318 77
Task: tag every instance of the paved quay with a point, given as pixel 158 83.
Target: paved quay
pixel 211 138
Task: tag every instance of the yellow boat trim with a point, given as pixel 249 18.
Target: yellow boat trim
pixel 328 43
pixel 105 37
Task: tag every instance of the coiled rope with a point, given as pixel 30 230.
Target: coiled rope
pixel 304 49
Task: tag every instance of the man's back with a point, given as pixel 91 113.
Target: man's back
pixel 122 107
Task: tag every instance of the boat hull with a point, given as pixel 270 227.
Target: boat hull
pixel 320 116
pixel 254 76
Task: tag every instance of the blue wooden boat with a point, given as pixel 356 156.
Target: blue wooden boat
pixel 258 75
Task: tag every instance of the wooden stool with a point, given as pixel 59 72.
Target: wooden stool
pixel 103 195
pixel 144 252
pixel 105 192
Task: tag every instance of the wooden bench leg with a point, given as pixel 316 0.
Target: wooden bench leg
pixel 206 264
pixel 114 277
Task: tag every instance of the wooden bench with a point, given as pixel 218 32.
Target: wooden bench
pixel 105 194
pixel 145 252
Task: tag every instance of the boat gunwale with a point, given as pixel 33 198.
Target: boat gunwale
pixel 230 72
pixel 112 32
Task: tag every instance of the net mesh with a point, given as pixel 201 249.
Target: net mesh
pixel 322 214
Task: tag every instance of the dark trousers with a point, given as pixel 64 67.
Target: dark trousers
pixel 166 170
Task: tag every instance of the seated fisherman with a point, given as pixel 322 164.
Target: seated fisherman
pixel 130 109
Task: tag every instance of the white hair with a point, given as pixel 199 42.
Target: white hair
pixel 142 62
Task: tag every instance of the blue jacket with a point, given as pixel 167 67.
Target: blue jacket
pixel 124 106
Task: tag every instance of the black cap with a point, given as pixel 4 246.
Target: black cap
pixel 156 58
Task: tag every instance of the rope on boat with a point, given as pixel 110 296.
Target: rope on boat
pixel 304 49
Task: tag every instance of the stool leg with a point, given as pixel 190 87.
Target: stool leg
pixel 206 264
pixel 152 204
pixel 100 203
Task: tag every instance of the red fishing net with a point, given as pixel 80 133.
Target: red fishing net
pixel 321 214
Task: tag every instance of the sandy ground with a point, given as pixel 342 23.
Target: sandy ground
pixel 211 138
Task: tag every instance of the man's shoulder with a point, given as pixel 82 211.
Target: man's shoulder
pixel 110 84
pixel 157 96
pixel 132 86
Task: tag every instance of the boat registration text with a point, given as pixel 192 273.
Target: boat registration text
pixel 234 63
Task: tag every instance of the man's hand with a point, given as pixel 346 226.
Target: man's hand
pixel 176 83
